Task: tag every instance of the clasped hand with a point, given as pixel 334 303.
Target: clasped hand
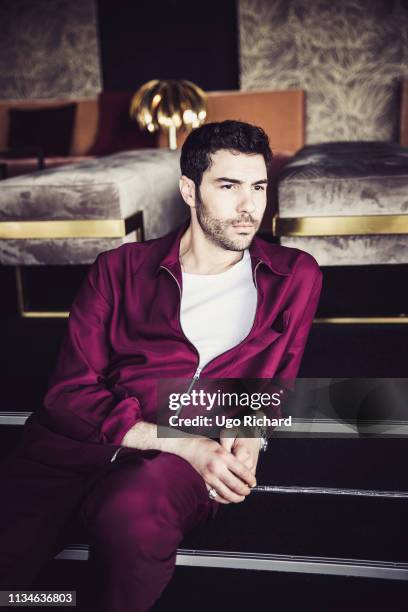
pixel 246 450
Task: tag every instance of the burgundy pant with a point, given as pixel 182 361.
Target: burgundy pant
pixel 137 511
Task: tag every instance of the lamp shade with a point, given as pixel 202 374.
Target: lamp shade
pixel 169 105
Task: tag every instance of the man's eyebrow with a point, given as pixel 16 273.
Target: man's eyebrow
pixel 225 179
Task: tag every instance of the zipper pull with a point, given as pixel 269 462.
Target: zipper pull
pixel 195 377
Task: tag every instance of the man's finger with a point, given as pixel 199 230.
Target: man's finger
pixel 219 498
pixel 229 491
pixel 227 443
pixel 227 438
pixel 239 469
pixel 234 483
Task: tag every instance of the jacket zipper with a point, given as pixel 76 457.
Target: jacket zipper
pixel 198 371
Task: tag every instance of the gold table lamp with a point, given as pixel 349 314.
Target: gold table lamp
pixel 169 105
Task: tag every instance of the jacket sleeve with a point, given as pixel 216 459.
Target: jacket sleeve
pixel 78 403
pixel 303 300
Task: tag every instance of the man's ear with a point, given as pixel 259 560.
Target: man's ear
pixel 187 190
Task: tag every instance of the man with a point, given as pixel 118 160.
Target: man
pixel 210 300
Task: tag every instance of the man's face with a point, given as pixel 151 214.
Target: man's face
pixel 231 200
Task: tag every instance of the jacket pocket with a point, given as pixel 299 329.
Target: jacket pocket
pixel 281 322
pixel 275 330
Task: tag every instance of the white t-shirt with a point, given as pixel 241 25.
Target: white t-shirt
pixel 218 310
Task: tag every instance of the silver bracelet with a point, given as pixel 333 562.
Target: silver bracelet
pixel 263 439
pixel 263 442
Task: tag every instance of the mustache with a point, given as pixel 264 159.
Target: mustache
pixel 248 220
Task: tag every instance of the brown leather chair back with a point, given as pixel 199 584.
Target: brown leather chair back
pixel 280 113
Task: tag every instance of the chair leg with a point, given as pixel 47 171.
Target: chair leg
pixel 22 303
pixel 20 291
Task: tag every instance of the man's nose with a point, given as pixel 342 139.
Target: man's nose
pixel 246 202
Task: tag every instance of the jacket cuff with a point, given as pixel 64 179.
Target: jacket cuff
pixel 124 415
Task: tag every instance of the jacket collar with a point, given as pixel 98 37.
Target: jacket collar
pixel 271 255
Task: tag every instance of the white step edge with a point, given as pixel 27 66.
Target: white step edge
pixel 330 491
pixel 13 418
pixel 362 568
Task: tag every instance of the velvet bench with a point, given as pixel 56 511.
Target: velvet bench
pixel 70 214
pixel 346 203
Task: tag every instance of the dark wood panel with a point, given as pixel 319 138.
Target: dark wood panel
pixel 140 41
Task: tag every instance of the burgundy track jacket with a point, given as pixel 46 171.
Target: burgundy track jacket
pixel 124 333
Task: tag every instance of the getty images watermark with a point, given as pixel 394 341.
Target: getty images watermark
pixel 318 407
pixel 224 400
pixel 215 404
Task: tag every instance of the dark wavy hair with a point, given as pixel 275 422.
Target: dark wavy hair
pixel 211 137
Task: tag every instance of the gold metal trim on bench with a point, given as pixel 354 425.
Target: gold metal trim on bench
pixel 58 229
pixel 353 225
pixel 77 228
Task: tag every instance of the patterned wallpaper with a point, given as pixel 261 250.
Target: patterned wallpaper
pixel 43 45
pixel 348 55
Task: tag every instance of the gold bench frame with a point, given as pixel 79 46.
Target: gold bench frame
pixel 55 229
pixel 351 225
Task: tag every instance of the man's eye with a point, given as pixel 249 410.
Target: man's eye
pixel 259 187
pixel 229 186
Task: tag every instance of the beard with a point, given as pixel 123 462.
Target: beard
pixel 216 229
